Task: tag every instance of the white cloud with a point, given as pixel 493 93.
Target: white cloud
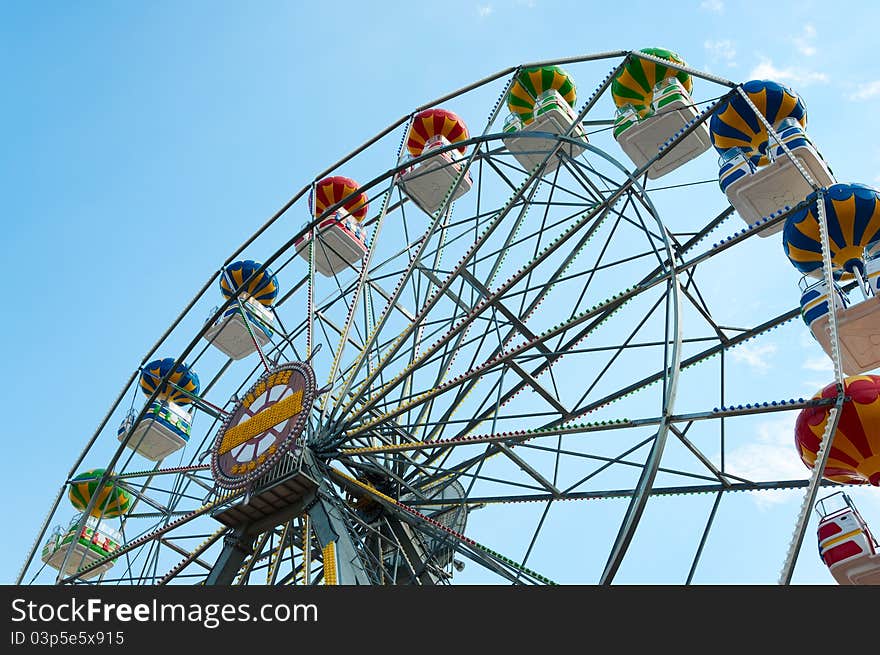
pixel 793 74
pixel 484 10
pixel 715 6
pixel 812 387
pixel 821 363
pixel 804 42
pixel 807 341
pixel 756 356
pixel 866 91
pixel 772 455
pixel 722 50
pixel 818 364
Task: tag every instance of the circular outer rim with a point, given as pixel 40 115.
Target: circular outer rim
pixel 227 482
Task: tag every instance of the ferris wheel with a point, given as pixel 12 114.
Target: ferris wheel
pixel 486 355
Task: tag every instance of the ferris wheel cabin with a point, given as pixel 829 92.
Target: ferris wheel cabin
pixel 759 191
pixel 339 244
pixel 815 308
pixel 552 114
pixel 846 545
pixel 164 430
pixel 672 111
pixel 427 184
pixel 859 334
pixel 231 333
pixel 94 542
pixel 858 324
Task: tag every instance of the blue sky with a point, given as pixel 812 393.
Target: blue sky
pixel 145 141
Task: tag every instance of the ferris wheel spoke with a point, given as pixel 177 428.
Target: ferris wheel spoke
pixel 479 555
pixel 389 467
pixel 128 573
pixel 552 399
pixel 373 281
pixel 450 349
pixel 444 421
pixel 433 474
pixel 522 437
pixel 534 539
pixel 585 272
pixel 608 307
pixel 248 566
pixel 485 303
pixel 709 521
pixel 174 495
pixel 497 562
pixel 656 491
pixel 423 397
pixel 553 279
pixel 739 237
pixel 692 360
pixel 529 469
pixel 493 448
pixel 277 556
pixel 518 324
pixel 384 551
pixel 593 270
pixel 507 355
pixel 536 357
pixel 584 172
pixel 502 252
pixel 496 163
pixel 162 471
pixel 394 433
pixel 617 351
pixel 496 252
pixel 415 258
pixel 654 239
pixel 704 312
pixel 141 495
pixel 193 556
pixel 542 232
pixel 722 477
pixel 694 295
pixel 609 462
pixel 438 293
pixel 407 359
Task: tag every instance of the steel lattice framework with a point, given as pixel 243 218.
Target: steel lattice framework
pixel 519 347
